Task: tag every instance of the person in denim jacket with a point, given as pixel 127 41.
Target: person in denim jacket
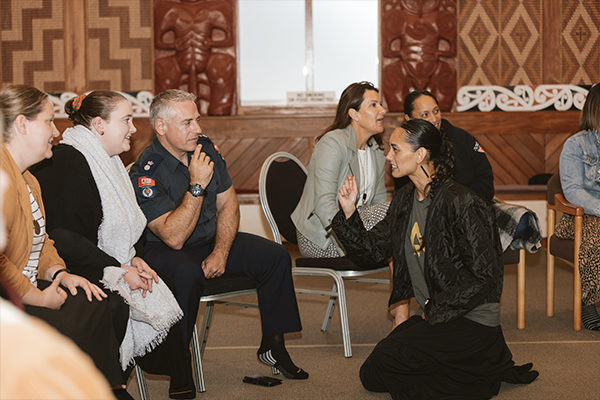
pixel 580 179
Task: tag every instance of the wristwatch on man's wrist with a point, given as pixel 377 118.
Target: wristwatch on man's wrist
pixel 197 190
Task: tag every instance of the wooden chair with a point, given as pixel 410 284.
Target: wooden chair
pixel 568 250
pixel 511 256
pixel 518 257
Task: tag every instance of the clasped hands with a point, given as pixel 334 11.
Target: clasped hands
pixel 139 275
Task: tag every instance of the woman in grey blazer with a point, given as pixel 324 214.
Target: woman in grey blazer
pixel 351 145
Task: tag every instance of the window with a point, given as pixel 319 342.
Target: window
pixel 305 45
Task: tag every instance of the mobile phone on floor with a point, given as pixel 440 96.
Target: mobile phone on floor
pixel 262 380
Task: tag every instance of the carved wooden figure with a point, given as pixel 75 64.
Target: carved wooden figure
pixel 194 42
pixel 419 50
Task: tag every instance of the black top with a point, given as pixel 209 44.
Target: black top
pixel 74 211
pixel 160 181
pixel 463 257
pixel 473 168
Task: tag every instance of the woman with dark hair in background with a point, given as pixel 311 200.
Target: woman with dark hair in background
pixel 446 252
pixel 351 145
pixel 473 169
pixel 97 225
pixel 580 180
pixel 30 264
pixel 519 226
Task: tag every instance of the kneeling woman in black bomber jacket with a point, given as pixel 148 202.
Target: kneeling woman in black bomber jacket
pixel 447 254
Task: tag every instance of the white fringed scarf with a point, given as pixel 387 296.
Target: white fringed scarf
pixel 122 225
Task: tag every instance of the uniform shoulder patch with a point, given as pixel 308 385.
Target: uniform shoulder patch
pixel 147 186
pixel 478 147
pixel 204 138
pixel 149 165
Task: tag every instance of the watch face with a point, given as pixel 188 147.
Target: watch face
pixel 196 190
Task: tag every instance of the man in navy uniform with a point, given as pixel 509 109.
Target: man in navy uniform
pixel 183 187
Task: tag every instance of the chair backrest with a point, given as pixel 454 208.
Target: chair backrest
pixel 554 187
pixel 280 187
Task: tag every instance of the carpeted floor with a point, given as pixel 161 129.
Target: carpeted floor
pixel 568 361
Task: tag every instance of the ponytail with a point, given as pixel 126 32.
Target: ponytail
pixel 445 163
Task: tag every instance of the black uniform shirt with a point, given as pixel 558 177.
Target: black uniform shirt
pixel 161 180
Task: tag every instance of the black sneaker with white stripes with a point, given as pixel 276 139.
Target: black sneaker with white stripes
pixel 272 352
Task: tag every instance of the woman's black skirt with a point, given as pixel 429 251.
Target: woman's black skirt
pixel 460 359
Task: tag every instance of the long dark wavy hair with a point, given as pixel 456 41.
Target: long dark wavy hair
pixel 351 98
pixel 421 133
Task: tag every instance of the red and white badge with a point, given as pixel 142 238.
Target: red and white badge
pixel 145 181
pixel 147 186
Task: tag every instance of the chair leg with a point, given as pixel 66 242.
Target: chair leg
pixel 141 382
pixel 344 318
pixel 329 311
pixel 341 295
pixel 576 299
pixel 551 215
pixel 521 290
pixel 576 275
pixel 197 358
pixel 205 326
pixel 340 288
pixel 550 285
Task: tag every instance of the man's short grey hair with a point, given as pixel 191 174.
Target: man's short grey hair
pixel 161 104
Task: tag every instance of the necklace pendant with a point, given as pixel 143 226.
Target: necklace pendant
pixel 36 227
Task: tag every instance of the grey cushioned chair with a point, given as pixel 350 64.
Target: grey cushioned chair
pixel 218 291
pixel 280 187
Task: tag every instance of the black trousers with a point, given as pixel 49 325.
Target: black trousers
pixel 268 263
pixel 460 359
pixel 89 325
pixel 171 357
